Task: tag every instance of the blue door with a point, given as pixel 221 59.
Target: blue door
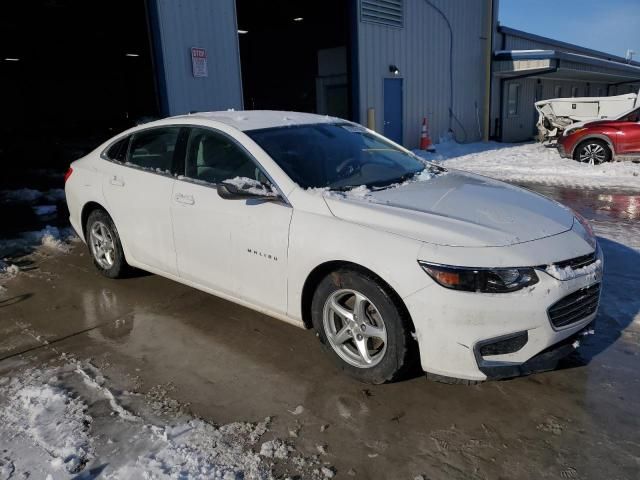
pixel 393 109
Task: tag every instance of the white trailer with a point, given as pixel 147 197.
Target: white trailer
pixel 556 114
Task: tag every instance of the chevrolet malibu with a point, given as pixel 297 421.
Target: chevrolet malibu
pixel 324 224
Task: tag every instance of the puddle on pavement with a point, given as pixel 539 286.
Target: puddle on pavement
pixel 594 204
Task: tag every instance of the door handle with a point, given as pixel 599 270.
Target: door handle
pixel 185 199
pixel 117 181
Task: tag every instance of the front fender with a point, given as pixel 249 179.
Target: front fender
pixel 315 239
pixel 598 136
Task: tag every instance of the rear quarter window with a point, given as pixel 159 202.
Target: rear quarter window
pixel 118 151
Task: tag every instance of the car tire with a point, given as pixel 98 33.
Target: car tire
pixel 105 246
pixel 593 151
pixel 390 358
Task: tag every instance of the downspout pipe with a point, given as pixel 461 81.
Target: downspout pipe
pixel 450 29
pixel 488 72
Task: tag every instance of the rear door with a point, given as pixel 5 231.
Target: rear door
pixel 237 247
pixel 137 187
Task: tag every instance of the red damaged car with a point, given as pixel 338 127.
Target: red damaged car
pixel 603 140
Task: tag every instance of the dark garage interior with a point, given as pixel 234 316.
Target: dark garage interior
pixel 296 55
pixel 72 74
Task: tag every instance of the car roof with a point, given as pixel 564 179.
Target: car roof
pixel 245 120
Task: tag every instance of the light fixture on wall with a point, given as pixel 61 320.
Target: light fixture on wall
pixel 298 19
pixel 394 70
pixel 243 32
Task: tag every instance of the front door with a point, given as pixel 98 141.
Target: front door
pixel 393 109
pixel 237 247
pixel 629 134
pixel 137 186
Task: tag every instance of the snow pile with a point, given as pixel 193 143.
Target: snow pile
pixel 52 238
pixel 363 192
pixel 29 195
pixel 8 270
pixel 54 420
pixel 6 468
pixel 275 449
pixel 568 273
pixel 252 187
pixel 67 419
pixel 198 450
pixel 56 239
pixel 532 163
pixel 44 210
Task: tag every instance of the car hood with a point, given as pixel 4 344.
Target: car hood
pixel 456 209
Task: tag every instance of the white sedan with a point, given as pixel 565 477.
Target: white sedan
pixel 327 225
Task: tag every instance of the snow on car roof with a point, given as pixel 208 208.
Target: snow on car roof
pixel 256 119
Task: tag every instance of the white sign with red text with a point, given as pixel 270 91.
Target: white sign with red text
pixel 199 62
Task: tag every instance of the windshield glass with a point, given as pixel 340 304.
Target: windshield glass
pixel 336 155
pixel 631 116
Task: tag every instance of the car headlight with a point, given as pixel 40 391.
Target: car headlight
pixel 589 234
pixel 571 131
pixel 484 280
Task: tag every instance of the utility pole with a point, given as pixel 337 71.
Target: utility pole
pixel 629 55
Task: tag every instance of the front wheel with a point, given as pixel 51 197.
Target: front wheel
pixel 593 152
pixel 362 327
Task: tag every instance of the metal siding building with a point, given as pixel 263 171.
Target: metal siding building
pixel 418 44
pixel 420 50
pixel 543 68
pixel 179 25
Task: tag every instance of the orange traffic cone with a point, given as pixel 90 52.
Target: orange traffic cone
pixel 425 141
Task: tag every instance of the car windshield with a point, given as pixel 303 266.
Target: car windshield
pixel 630 116
pixel 339 156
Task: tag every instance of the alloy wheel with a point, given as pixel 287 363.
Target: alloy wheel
pixel 355 328
pixel 593 153
pixel 102 245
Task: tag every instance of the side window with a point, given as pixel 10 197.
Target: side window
pixel 213 158
pixel 154 148
pixel 513 95
pixel 118 151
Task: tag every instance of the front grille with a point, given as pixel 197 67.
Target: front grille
pixel 577 262
pixel 575 307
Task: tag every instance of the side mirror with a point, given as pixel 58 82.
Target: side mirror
pixel 245 188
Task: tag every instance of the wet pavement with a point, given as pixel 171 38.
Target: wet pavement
pixel 226 363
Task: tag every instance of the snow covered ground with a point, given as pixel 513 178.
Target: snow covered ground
pixel 533 163
pixel 65 419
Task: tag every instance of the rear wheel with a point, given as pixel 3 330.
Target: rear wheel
pixel 104 244
pixel 593 152
pixel 362 328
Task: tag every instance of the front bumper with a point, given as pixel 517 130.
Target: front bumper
pixel 544 361
pixel 562 151
pixel 453 326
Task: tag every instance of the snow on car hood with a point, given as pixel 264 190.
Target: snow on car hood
pixel 455 209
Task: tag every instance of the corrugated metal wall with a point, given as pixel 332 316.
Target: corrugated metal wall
pixel 178 25
pixel 420 50
pixel 523 126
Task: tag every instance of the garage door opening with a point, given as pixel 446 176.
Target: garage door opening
pixel 296 56
pixel 73 73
